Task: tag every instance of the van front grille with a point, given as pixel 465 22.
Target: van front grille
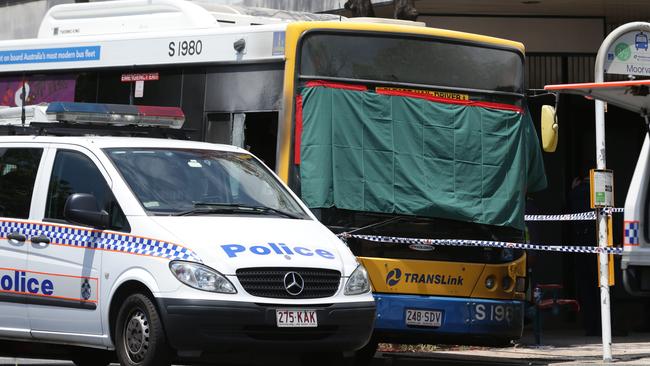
pixel 270 282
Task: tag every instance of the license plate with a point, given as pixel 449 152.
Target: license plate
pixel 424 318
pixel 296 318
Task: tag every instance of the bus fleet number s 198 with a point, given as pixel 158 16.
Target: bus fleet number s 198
pixel 185 48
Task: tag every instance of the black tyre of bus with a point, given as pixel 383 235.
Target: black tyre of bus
pixel 139 335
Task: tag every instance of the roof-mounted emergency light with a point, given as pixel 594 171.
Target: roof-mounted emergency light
pixel 115 114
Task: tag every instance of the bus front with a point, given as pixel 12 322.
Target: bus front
pixel 398 131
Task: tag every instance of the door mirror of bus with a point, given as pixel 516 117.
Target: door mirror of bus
pixel 549 129
pixel 81 208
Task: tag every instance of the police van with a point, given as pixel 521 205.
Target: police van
pixel 154 250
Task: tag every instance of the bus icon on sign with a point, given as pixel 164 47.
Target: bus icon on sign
pixel 641 41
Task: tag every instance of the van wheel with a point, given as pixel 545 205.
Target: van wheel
pixel 139 336
pixel 323 359
pixel 365 355
pixel 91 357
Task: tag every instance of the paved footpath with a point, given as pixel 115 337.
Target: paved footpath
pixel 557 349
pixel 560 349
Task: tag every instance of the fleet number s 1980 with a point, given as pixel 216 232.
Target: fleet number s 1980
pixel 185 48
pixel 495 313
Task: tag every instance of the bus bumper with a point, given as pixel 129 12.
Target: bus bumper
pixel 463 320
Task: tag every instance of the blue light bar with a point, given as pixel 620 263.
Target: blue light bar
pixel 116 114
pixel 71 107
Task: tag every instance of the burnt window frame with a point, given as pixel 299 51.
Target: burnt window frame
pixel 298 76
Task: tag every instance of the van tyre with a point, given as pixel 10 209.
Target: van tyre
pixel 139 335
pixel 365 355
pixel 91 357
pixel 324 359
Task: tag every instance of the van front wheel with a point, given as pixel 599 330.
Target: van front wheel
pixel 91 357
pixel 139 335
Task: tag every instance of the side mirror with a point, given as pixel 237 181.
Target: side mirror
pixel 81 208
pixel 549 129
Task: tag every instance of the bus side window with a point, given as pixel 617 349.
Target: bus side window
pixel 256 132
pixel 261 136
pixel 218 128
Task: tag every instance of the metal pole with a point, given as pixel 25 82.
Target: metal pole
pixel 601 219
pixel 601 216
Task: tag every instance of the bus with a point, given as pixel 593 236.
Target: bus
pixel 383 127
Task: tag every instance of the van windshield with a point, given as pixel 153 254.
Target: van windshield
pixel 202 182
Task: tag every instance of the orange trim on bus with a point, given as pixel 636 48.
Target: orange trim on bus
pixel 470 103
pixel 334 85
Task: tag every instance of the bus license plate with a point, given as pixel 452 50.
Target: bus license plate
pixel 296 318
pixel 424 318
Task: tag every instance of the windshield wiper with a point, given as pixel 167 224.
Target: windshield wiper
pixel 228 208
pixel 266 209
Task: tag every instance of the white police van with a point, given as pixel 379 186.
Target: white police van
pixel 161 249
pixel 635 264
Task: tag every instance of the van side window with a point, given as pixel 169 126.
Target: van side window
pixel 18 167
pixel 73 172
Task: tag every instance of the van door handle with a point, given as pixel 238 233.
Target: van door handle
pixel 16 236
pixel 41 239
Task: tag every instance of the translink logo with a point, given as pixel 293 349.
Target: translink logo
pixel 395 275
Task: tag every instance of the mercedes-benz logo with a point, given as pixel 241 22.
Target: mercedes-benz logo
pixel 293 283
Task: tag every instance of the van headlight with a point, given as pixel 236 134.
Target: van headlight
pixel 201 277
pixel 358 283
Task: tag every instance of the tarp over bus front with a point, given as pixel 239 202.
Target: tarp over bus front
pixel 365 151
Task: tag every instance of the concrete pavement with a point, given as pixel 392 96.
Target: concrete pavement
pixel 559 348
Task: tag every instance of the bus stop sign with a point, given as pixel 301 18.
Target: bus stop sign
pixel 629 54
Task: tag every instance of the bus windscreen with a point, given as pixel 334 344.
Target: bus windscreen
pixel 408 60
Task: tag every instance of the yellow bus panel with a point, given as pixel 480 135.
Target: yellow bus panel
pixel 424 277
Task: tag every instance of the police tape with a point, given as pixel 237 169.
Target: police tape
pixel 430 244
pixel 581 216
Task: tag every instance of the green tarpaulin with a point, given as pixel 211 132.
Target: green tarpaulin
pixel 364 151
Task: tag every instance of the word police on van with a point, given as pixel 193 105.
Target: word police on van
pixel 157 250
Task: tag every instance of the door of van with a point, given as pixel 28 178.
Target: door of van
pixel 68 252
pixel 19 167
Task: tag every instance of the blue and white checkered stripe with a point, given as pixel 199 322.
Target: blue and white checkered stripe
pixel 8 227
pixel 484 244
pixel 631 235
pixel 92 239
pixel 581 216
